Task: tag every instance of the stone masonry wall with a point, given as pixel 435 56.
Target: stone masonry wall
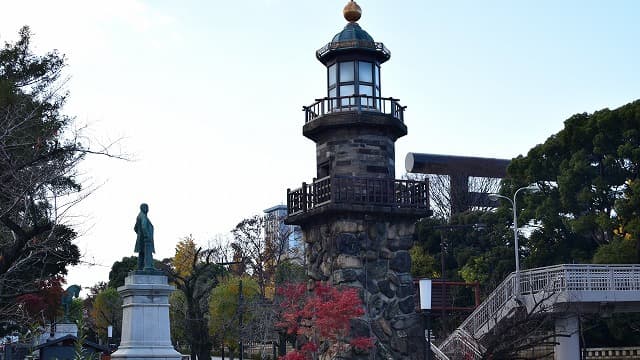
pixel 352 153
pixel 372 255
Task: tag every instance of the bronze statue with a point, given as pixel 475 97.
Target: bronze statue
pixel 67 297
pixel 144 240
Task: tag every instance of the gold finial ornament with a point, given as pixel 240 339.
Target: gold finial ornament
pixel 352 11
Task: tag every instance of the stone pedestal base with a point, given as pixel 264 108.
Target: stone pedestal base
pixel 60 330
pixel 145 319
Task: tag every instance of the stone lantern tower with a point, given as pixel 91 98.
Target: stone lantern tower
pixel 357 219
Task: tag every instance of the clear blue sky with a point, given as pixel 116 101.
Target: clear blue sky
pixel 207 95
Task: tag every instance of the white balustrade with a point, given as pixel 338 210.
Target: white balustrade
pixel 583 278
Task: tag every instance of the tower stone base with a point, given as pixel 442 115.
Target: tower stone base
pixel 372 254
pixel 145 319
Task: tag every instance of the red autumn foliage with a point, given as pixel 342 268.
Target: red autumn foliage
pixel 44 305
pixel 362 343
pixel 322 315
pixel 294 355
pixel 309 347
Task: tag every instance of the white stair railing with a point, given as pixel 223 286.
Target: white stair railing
pixel 462 345
pixel 439 355
pixel 556 279
pixel 483 313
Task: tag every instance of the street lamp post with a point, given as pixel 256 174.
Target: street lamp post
pixel 533 188
pixel 424 286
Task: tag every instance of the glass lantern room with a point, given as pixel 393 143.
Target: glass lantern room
pixel 353 82
pixel 353 62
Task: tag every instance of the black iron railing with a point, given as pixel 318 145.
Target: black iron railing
pixel 358 191
pixel 349 44
pixel 389 106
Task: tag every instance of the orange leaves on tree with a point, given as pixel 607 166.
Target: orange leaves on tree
pixel 185 257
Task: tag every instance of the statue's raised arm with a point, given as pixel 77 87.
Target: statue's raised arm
pixel 144 240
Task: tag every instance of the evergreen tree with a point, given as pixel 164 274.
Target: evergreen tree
pixel 588 172
pixel 38 158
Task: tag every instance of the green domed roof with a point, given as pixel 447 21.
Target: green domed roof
pixel 352 31
pixel 353 40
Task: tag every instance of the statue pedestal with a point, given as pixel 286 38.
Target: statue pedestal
pixel 60 330
pixel 145 319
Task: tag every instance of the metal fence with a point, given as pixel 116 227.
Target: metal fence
pixel 328 105
pixel 335 45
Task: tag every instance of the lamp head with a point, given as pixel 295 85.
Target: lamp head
pixel 534 188
pixel 493 197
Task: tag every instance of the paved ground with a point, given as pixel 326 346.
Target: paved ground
pixel 225 358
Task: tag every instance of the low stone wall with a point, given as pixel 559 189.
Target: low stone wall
pixel 617 353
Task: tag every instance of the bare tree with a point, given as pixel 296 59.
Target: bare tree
pixel 39 155
pixel 264 244
pixel 251 244
pixel 272 253
pixel 195 276
pixel 221 246
pixel 283 242
pixel 525 327
pixel 525 333
pixel 444 198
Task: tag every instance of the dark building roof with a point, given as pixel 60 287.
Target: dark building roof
pixel 352 31
pixel 70 339
pixel 353 40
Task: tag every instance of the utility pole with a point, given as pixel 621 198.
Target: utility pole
pixel 240 299
pixel 443 289
pixel 240 313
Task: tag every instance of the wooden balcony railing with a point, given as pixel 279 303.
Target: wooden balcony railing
pixel 328 105
pixel 358 190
